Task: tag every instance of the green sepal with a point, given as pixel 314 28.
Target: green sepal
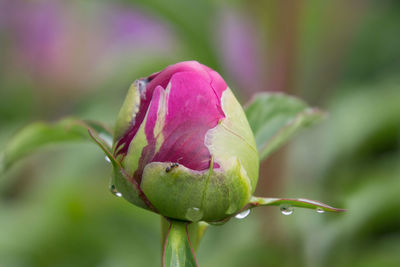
pixel 184 194
pixel 284 203
pixel 232 139
pixel 128 111
pixel 292 202
pixel 127 187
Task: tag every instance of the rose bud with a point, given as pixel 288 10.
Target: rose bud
pixel 185 146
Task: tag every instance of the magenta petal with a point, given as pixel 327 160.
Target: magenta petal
pixel 123 143
pixel 151 120
pixel 162 78
pixel 193 109
pixel 153 114
pixel 217 83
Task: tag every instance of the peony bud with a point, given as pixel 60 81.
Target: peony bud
pixel 185 146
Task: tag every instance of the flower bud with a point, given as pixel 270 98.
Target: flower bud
pixel 183 139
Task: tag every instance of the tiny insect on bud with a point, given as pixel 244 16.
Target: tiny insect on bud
pixel 171 167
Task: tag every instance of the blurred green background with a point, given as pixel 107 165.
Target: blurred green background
pixel 78 58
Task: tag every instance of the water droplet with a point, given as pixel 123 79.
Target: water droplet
pixel 286 210
pixel 141 85
pixel 107 159
pixel 319 210
pixel 194 214
pixel 243 214
pixel 114 191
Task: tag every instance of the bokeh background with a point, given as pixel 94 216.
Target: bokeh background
pixel 78 58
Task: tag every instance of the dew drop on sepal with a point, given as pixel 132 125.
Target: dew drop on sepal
pixel 319 210
pixel 243 214
pixel 194 214
pixel 114 191
pixel 286 210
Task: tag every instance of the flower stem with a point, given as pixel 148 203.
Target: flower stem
pixel 177 249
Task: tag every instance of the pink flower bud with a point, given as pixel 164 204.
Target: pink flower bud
pixel 184 139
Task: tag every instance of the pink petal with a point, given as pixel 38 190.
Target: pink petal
pixel 193 109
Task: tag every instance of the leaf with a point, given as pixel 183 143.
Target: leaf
pixel 177 248
pixel 275 118
pixel 40 134
pixel 291 202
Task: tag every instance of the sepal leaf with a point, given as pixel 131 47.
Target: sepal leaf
pixel 276 117
pixel 291 202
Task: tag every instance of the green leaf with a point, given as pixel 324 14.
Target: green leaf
pixel 291 202
pixel 275 118
pixel 177 248
pixel 40 134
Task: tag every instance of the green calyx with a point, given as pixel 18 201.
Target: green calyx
pixel 180 193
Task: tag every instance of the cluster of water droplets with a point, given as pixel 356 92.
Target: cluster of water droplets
pixel 113 190
pixel 288 210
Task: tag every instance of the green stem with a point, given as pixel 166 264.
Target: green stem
pixel 177 249
pixel 196 232
pixel 165 224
